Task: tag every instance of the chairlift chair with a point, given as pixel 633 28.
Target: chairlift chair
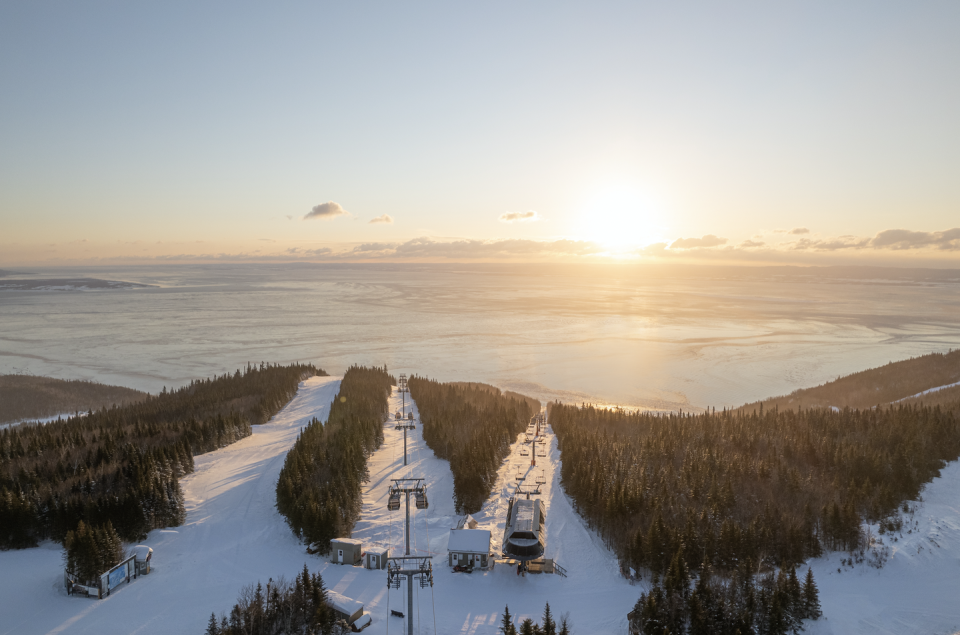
pixel 393 502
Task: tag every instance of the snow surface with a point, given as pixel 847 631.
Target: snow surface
pixel 927 392
pixel 234 537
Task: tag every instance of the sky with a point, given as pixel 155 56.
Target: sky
pixel 803 132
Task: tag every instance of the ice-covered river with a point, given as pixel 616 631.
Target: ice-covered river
pixel 658 338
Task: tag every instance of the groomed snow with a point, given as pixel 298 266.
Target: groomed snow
pixel 234 537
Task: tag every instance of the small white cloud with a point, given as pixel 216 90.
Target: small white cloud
pixel 383 218
pixel 799 231
pixel 326 211
pixel 519 217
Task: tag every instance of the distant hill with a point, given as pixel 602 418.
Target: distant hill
pixel 886 384
pixel 31 397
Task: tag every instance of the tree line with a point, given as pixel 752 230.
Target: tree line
pixel 91 551
pixel 867 388
pixel 472 426
pixel 122 465
pixel 300 608
pixel 770 487
pixel 529 627
pixel 319 488
pixel 771 604
pixel 25 397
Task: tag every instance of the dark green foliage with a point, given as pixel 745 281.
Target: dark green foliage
pixel 472 426
pixel 868 388
pixel 776 488
pixel 771 604
pixel 529 627
pixel 123 465
pixel 506 623
pixel 91 551
pixel 319 488
pixel 300 608
pixel 30 397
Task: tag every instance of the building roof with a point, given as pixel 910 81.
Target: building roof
pixel 469 541
pixel 347 606
pixel 347 541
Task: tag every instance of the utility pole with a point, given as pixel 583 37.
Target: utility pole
pixel 398 567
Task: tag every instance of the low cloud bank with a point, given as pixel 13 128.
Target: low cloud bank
pixel 383 218
pixel 692 243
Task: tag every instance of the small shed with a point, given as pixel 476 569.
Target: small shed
pixel 346 551
pixel 376 558
pixel 346 608
pixel 470 547
pixel 143 555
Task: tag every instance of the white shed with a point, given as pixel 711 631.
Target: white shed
pixel 470 547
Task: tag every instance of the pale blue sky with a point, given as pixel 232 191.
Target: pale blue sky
pixel 182 122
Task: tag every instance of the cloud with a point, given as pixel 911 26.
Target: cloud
pixel 519 217
pixel 297 251
pixel 368 248
pixel 750 244
pixel 905 239
pixel 475 249
pixel 289 217
pixel 830 244
pixel 383 218
pixel 691 243
pixel 797 231
pixel 326 211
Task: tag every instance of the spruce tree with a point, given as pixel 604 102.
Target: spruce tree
pixel 811 598
pixel 564 626
pixel 549 626
pixel 506 624
pixel 527 627
pixel 212 627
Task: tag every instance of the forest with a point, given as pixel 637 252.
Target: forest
pixel 771 604
pixel 868 388
pixel 319 490
pixel 773 487
pixel 529 627
pixel 300 608
pixel 28 397
pixel 122 465
pixel 472 426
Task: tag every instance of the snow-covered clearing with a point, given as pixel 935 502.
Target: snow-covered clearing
pixel 916 590
pixel 234 537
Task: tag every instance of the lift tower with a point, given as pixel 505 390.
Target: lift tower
pixel 408 566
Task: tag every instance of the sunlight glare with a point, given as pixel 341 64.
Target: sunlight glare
pixel 619 219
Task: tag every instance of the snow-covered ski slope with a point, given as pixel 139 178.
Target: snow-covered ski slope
pixel 232 537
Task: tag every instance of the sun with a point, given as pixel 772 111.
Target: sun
pixel 619 219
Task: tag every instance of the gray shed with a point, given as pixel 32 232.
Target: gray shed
pixel 346 608
pixel 376 558
pixel 346 551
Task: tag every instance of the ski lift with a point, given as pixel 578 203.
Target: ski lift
pixel 524 452
pixel 421 498
pixel 541 478
pixel 397 415
pixel 393 502
pixel 410 416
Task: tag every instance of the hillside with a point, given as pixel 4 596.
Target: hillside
pixel 28 397
pixel 886 384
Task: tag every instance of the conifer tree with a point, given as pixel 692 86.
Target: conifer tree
pixel 212 627
pixel 811 598
pixel 549 626
pixel 506 624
